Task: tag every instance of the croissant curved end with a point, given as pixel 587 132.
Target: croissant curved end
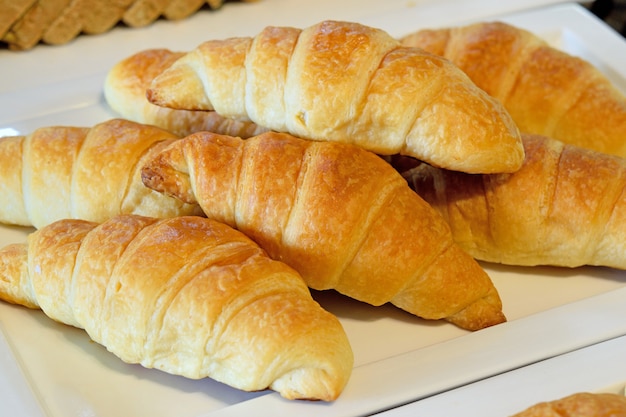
pixel 485 312
pixel 175 87
pixel 13 273
pixel 310 384
pixel 165 177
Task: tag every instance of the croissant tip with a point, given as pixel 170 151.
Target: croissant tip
pixel 152 96
pixel 486 312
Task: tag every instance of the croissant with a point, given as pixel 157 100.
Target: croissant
pixel 187 295
pixel 77 172
pixel 125 92
pixel 345 82
pixel 566 206
pixel 580 404
pixel 545 90
pixel 341 216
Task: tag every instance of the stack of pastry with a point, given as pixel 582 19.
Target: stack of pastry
pixel 561 206
pixel 280 137
pixel 545 90
pixel 566 206
pixel 321 204
pixel 25 23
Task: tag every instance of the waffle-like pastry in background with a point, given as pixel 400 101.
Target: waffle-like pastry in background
pixel 11 11
pixel 125 92
pixel 545 90
pixel 25 23
pixel 29 29
pixel 186 295
pixel 350 83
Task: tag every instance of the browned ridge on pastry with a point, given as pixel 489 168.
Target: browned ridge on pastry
pixel 566 206
pixel 338 214
pixel 580 404
pixel 546 91
pixel 125 92
pixel 187 295
pixel 61 172
pixel 346 82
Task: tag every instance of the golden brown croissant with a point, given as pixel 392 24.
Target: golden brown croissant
pixel 187 295
pixel 345 82
pixel 566 206
pixel 88 173
pixel 125 92
pixel 545 90
pixel 581 404
pixel 339 215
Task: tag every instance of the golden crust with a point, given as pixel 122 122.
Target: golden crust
pixel 566 206
pixel 582 404
pixel 339 215
pixel 12 11
pixel 345 82
pixel 545 90
pixel 25 23
pixel 187 295
pixel 92 173
pixel 125 92
pixel 28 30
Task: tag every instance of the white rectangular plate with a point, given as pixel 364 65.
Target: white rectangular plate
pixel 52 370
pixel 598 368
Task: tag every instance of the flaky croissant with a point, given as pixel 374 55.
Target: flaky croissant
pixel 346 82
pixel 187 295
pixel 339 215
pixel 125 92
pixel 546 91
pixel 566 206
pixel 580 404
pixel 92 173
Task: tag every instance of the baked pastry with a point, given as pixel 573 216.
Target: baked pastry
pixel 28 29
pixel 92 173
pixel 12 10
pixel 581 404
pixel 125 92
pixel 338 214
pixel 25 23
pixel 68 24
pixel 187 295
pixel 346 82
pixel 144 12
pixel 546 91
pixel 566 206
